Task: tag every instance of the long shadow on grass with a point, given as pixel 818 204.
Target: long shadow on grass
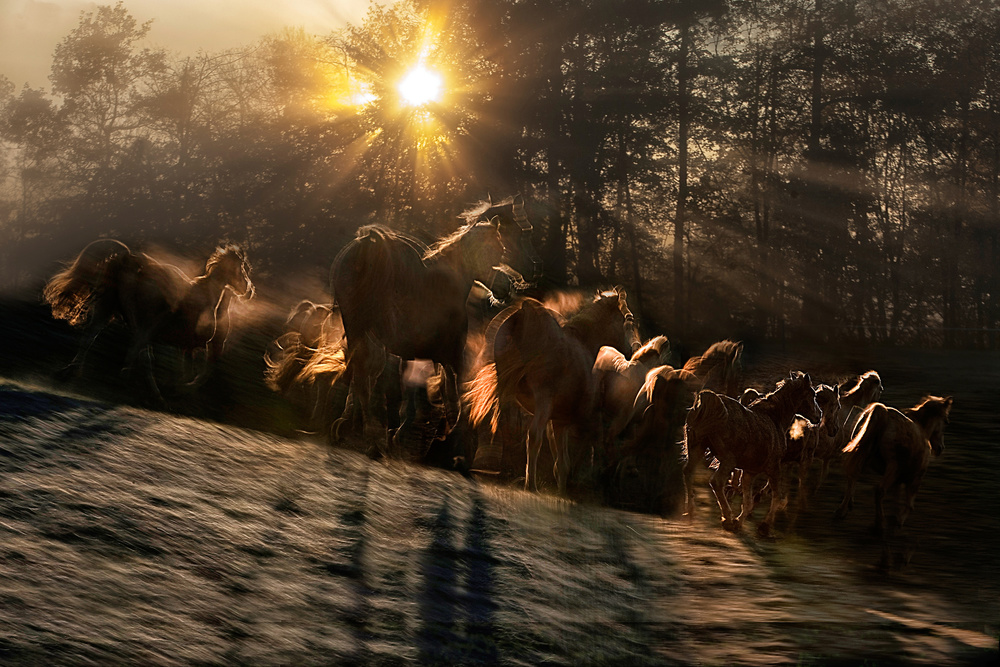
pixel 443 606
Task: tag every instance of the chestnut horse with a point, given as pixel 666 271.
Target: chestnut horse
pixel 898 447
pixel 547 369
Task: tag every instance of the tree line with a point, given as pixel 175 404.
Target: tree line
pixel 782 169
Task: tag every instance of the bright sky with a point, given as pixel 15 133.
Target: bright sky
pixel 31 29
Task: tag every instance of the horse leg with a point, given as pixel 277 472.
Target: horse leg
pixel 149 375
pixel 750 497
pixel 536 435
pixel 452 397
pixel 777 502
pixel 906 508
pixel 100 318
pixel 338 388
pixel 717 481
pixel 823 471
pixel 695 453
pixel 801 500
pixel 884 485
pixel 364 381
pixel 559 446
pixel 847 504
pixel 882 529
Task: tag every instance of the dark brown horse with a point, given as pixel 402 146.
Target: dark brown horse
pixel 898 447
pixel 521 265
pixel 547 369
pixel 398 297
pixel 751 439
pixel 806 438
pixel 157 301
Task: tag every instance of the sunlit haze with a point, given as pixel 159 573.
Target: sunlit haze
pixel 31 29
pixel 420 86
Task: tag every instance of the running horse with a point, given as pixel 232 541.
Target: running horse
pixel 898 446
pixel 547 369
pixel 854 399
pixel 157 301
pixel 751 439
pixel 399 297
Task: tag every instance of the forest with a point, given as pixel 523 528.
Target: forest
pixel 824 171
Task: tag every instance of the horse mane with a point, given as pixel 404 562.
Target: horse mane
pixel 441 246
pixel 721 350
pixel 928 408
pixel 588 315
pixel 775 399
pixel 651 348
pixel 864 377
pixel 222 251
pixel 472 214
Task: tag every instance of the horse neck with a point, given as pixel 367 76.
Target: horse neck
pixel 859 396
pixel 779 405
pixel 453 259
pixel 923 418
pixel 591 338
pixel 212 289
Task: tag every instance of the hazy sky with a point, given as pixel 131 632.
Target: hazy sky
pixel 31 29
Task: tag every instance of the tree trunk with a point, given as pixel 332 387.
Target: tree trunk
pixel 683 128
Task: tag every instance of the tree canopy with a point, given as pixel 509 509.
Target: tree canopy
pixel 771 168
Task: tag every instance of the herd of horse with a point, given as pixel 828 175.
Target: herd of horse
pixel 427 343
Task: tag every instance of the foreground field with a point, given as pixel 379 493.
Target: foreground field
pixel 132 536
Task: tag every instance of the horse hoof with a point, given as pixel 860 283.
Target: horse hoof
pixel 764 530
pixel 732 525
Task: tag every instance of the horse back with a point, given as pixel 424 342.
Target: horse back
pixel 536 358
pixel 735 433
pixel 885 435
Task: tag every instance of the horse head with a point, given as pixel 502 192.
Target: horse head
pixel 801 397
pixel 229 264
pixel 615 321
pixel 521 262
pixel 482 248
pixel 811 409
pixel 932 415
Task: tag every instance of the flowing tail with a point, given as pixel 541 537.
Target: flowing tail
pixel 866 436
pixel 72 291
pixel 483 397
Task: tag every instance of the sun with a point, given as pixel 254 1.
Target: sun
pixel 420 86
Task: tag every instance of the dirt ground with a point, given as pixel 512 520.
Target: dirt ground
pixel 217 537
